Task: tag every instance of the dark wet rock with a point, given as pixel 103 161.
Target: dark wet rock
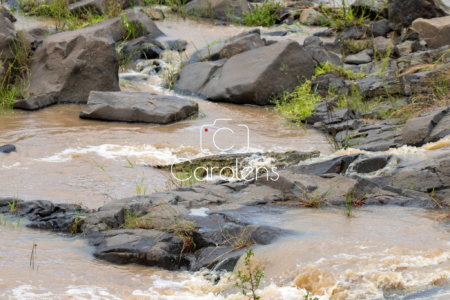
pixel 325 33
pixel 7 149
pixel 243 42
pixel 312 41
pixel 354 33
pixel 277 33
pixel 143 47
pixel 321 84
pixel 208 258
pixel 379 28
pixel 6 13
pixel 373 8
pixel 143 24
pixel 372 164
pixel 252 77
pixel 69 65
pixel 338 165
pixel 177 45
pixel 223 10
pixel 358 59
pixel 137 107
pixel 403 12
pixel 428 127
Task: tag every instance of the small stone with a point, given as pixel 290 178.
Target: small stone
pixel 404 48
pixel 358 59
pixel 312 17
pixel 382 44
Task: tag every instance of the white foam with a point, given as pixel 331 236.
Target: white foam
pixel 200 212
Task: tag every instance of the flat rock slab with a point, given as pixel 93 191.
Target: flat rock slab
pixel 137 107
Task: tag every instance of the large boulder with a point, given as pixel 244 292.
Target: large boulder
pixel 144 26
pixel 137 107
pixel 402 13
pixel 252 77
pixel 69 65
pixel 223 10
pixel 435 32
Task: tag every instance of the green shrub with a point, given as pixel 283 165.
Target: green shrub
pixel 299 104
pixel 264 15
pixel 326 68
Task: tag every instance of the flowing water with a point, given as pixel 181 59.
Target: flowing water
pixel 381 253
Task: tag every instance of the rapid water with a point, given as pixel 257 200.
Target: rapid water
pixel 382 253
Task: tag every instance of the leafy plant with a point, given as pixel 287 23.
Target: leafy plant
pixel 250 282
pixel 307 297
pixel 297 105
pixel 264 15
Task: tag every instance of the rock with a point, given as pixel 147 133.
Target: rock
pixel 69 65
pixel 144 26
pixel 153 13
pixel 320 55
pixel 143 47
pixel 324 33
pixel 338 165
pixel 312 41
pixel 427 127
pixel 354 33
pixel 276 33
pixel 312 17
pixel 36 35
pixel 252 77
pixel 223 10
pixel 243 42
pixel 137 107
pixel 379 28
pixel 376 87
pixel 382 44
pixel 177 45
pixel 402 13
pixel 433 31
pixel 6 13
pixel 7 149
pixel 404 48
pixel 358 59
pixel 373 8
pixel 372 164
pixel 7 39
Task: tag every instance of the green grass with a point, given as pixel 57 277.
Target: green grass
pixel 326 68
pixel 344 16
pixel 264 15
pixel 297 105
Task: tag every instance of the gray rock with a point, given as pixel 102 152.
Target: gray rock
pixel 7 149
pixel 379 28
pixel 321 55
pixel 419 131
pixel 143 47
pixel 5 12
pixel 252 77
pixel 86 61
pixel 382 44
pixel 312 41
pixel 404 48
pixel 419 82
pixel 358 59
pixel 137 107
pixel 243 42
pixel 375 87
pixel 7 39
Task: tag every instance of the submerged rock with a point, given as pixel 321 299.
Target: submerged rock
pixel 137 107
pixel 7 149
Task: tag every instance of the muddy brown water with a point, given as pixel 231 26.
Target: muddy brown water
pixel 382 253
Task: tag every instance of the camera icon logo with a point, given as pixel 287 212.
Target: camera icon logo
pixel 209 133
